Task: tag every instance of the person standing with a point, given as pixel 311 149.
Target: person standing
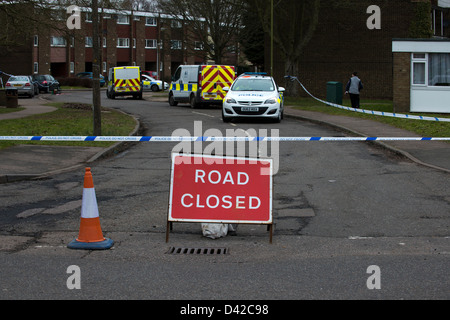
pixel 354 87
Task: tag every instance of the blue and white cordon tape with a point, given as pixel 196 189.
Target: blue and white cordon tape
pixel 242 139
pixel 377 113
pixel 207 139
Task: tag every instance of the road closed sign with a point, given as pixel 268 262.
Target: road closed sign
pixel 220 190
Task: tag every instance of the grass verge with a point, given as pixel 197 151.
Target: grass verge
pixel 68 120
pixel 9 110
pixel 422 128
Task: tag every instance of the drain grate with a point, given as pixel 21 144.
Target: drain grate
pixel 197 251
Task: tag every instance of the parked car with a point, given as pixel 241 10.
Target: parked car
pixel 46 83
pixel 89 75
pixel 152 74
pixel 149 83
pixel 23 84
pixel 253 95
pixel 35 85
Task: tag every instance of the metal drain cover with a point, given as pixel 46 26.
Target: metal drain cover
pixel 197 251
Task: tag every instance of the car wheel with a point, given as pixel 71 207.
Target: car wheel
pixel 155 88
pixel 280 116
pixel 172 101
pixel 192 102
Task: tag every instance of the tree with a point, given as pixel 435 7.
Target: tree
pixel 294 25
pixel 21 19
pixel 214 23
pixel 251 37
pixel 97 57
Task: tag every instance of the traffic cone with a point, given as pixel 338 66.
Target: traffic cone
pixel 90 236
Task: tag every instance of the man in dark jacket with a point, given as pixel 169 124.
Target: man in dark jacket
pixel 354 86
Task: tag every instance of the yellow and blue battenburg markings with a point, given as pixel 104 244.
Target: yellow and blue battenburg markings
pixel 184 87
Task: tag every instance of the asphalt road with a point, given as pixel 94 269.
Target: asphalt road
pixel 339 208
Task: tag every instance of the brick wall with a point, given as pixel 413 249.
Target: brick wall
pixel 402 81
pixel 342 44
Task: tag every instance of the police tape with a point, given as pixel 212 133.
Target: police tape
pixel 209 139
pixel 372 112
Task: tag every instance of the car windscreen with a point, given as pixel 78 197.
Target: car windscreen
pixel 245 84
pixel 18 78
pixel 127 74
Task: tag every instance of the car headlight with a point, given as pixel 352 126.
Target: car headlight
pixel 271 101
pixel 230 100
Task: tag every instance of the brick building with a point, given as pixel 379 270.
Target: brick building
pixel 152 41
pixel 342 43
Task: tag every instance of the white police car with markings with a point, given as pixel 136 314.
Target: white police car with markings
pixel 149 83
pixel 253 95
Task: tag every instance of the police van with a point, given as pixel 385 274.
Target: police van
pixel 200 84
pixel 124 81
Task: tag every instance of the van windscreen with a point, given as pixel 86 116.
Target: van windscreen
pixel 127 74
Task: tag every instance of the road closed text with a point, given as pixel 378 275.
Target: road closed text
pixel 209 191
pixel 213 201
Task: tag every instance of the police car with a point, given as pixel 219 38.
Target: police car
pixel 253 95
pixel 149 83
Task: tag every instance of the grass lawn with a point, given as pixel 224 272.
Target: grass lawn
pixel 422 128
pixel 67 120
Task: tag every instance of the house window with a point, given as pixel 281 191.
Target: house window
pixel 36 67
pixel 176 24
pixel 122 19
pixel 123 43
pixel 176 44
pixel 438 22
pixel 88 42
pixel 104 42
pixel 150 21
pixel 419 68
pixel 198 45
pixel 36 41
pixel 419 73
pixel 72 67
pixel 439 69
pixel 104 66
pixel 431 69
pixel 88 17
pixel 150 43
pixel 57 41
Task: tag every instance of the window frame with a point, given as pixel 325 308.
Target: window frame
pixel 425 60
pixel 127 40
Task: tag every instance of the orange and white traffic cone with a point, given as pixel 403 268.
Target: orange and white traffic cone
pixel 90 236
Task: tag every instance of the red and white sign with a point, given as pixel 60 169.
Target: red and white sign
pixel 220 190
